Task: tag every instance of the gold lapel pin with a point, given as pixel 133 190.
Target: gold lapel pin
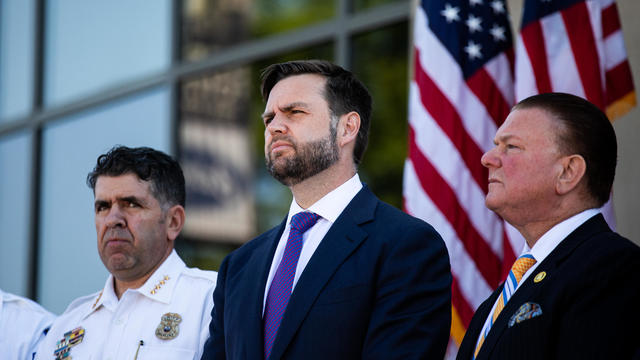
pixel 541 275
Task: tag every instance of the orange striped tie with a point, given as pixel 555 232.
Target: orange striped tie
pixel 522 264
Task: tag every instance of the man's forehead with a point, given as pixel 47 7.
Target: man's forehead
pixel 527 124
pixel 291 88
pixel 128 183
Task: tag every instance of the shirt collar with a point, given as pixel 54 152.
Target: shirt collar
pixel 552 238
pixel 159 286
pixel 330 206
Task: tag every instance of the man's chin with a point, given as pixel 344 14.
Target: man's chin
pixel 491 203
pixel 118 262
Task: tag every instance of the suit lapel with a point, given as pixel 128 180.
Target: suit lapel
pixel 549 265
pixel 252 301
pixel 468 346
pixel 342 239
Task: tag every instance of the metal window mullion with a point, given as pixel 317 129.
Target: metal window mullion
pixel 341 45
pixel 36 149
pixel 174 81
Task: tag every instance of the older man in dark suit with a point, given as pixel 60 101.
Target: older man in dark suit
pixel 573 293
pixel 344 276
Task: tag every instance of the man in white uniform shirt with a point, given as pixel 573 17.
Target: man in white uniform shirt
pixel 573 293
pixel 152 306
pixel 23 324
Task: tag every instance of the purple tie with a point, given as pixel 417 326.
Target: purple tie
pixel 281 286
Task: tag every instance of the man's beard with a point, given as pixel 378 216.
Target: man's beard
pixel 308 160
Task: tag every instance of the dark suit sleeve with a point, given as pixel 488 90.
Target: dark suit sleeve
pixel 214 348
pixel 599 308
pixel 411 318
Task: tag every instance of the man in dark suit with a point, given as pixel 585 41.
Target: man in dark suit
pixel 573 293
pixel 365 280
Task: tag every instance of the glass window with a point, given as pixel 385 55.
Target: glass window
pixel 230 196
pixel 359 5
pixel 15 167
pixel 91 45
pixel 70 148
pixel 212 25
pixel 16 57
pixel 380 62
pixel 215 153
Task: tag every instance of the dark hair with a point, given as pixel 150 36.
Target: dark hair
pixel 162 171
pixel 586 131
pixel 343 92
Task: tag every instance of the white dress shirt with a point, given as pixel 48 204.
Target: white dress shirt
pixel 329 207
pixel 545 245
pixel 114 329
pixel 22 326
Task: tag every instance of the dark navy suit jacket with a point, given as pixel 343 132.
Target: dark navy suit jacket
pixel 588 299
pixel 377 287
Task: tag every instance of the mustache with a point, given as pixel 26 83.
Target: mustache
pixel 285 138
pixel 117 233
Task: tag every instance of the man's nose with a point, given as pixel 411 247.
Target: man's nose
pixel 277 125
pixel 115 217
pixel 489 159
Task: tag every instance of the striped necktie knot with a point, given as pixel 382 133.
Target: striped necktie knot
pixel 522 264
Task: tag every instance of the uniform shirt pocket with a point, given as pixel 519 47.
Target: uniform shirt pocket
pixel 164 353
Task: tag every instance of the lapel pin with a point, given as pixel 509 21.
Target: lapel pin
pixel 541 275
pixel 168 328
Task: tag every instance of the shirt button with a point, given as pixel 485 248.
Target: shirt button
pixel 119 321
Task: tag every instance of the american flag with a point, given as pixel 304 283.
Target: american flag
pixel 577 47
pixel 461 91
pixel 462 88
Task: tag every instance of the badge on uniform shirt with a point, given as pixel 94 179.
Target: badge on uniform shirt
pixel 168 328
pixel 70 339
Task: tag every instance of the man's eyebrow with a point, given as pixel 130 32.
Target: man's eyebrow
pixel 130 198
pixel 504 137
pixel 286 108
pixel 100 202
pixel 296 104
pixel 267 114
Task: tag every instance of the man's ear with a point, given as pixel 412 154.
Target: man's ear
pixel 348 127
pixel 573 170
pixel 175 218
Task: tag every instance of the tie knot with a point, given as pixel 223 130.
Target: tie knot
pixel 302 221
pixel 522 264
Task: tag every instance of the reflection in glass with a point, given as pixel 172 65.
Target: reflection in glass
pixel 380 62
pixel 215 156
pixel 16 57
pixel 212 25
pixel 92 45
pixel 70 148
pixel 15 197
